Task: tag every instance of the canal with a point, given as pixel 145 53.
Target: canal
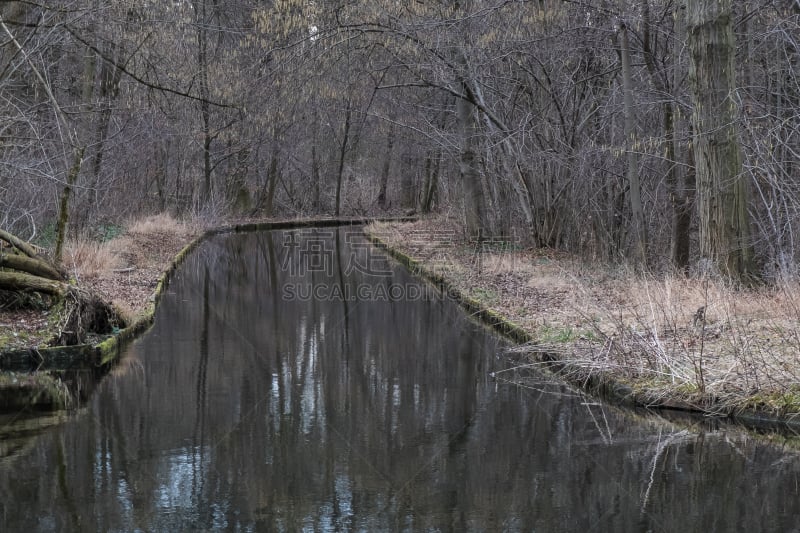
pixel 299 381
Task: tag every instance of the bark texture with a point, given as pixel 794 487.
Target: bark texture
pixel 19 281
pixel 721 188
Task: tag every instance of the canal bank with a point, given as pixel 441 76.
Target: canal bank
pixel 581 323
pixel 669 343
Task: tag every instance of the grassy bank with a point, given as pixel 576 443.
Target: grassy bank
pixel 695 344
pixel 124 270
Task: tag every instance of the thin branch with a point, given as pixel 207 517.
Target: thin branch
pixel 123 68
pixel 62 117
pixel 469 97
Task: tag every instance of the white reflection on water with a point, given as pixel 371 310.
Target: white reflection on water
pixel 183 478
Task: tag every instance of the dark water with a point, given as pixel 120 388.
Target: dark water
pixel 287 386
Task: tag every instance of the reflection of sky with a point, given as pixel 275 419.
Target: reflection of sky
pixel 335 515
pixel 300 379
pixel 124 497
pixel 183 479
pixel 310 383
pixel 396 405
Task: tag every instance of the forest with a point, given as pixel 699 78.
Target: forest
pixel 657 133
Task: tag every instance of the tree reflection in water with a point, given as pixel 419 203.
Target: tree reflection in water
pixel 242 409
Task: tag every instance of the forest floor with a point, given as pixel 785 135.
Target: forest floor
pixel 123 270
pixel 655 341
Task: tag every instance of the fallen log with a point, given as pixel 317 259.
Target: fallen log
pixel 20 281
pixel 18 243
pixel 79 312
pixel 30 265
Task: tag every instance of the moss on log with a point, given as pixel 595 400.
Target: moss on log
pixel 30 265
pixel 18 243
pixel 19 281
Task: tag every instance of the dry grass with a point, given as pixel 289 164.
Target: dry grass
pixel 89 259
pixel 702 335
pixel 160 224
pixel 741 350
pixel 126 269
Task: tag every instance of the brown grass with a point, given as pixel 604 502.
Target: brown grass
pixel 89 259
pixel 146 249
pixel 744 343
pixel 160 224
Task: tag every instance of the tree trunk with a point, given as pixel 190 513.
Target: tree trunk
pixel 721 188
pixel 272 182
pixel 680 191
pixel 63 210
pixel 30 265
pixel 387 163
pixel 680 186
pixel 431 180
pixel 205 107
pixel 634 183
pixel 408 183
pixel 471 179
pixel 24 269
pixel 19 281
pixel 18 243
pixel 87 95
pixel 433 167
pixel 681 181
pixel 316 178
pixel 342 154
pixel 474 201
pixel 110 77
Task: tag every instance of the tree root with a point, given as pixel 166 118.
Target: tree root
pixel 82 314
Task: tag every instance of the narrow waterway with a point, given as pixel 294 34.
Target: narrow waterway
pixel 296 380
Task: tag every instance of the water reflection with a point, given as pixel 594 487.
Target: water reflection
pixel 249 406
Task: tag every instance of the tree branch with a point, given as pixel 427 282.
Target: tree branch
pixel 141 80
pixel 469 97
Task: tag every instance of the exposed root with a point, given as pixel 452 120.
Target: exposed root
pixel 83 314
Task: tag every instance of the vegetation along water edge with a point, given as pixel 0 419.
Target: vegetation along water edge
pixel 673 342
